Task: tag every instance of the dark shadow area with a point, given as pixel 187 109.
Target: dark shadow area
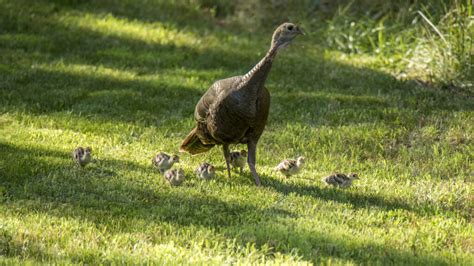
pixel 102 96
pixel 315 246
pixel 355 199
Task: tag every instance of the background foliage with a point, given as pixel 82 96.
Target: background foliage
pixel 430 38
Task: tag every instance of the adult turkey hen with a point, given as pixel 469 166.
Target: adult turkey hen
pixel 235 110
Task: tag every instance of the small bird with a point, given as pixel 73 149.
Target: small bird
pixel 289 167
pixel 206 171
pixel 238 159
pixel 163 161
pixel 82 156
pixel 340 180
pixel 175 176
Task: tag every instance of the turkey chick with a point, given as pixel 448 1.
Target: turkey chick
pixel 175 176
pixel 238 159
pixel 289 167
pixel 206 171
pixel 82 156
pixel 163 161
pixel 340 180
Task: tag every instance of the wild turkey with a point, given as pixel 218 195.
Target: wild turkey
pixel 82 156
pixel 235 110
pixel 289 167
pixel 340 180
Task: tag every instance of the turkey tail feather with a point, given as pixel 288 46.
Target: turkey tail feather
pixel 193 144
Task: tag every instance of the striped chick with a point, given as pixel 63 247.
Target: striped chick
pixel 238 159
pixel 289 167
pixel 163 161
pixel 175 177
pixel 206 171
pixel 82 156
pixel 340 180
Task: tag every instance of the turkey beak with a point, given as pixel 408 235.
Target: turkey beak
pixel 299 31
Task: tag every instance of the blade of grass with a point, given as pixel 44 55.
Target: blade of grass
pixel 433 26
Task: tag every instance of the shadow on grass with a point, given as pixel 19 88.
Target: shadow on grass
pixel 102 96
pixel 359 201
pixel 317 247
pixel 101 194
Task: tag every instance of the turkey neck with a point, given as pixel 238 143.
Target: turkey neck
pixel 255 78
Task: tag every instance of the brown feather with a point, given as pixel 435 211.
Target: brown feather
pixel 193 144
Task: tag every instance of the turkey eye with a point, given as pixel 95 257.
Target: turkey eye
pixel 290 28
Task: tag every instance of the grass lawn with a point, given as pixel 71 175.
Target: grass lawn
pixel 124 76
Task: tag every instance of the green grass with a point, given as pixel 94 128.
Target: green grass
pixel 123 77
pixel 430 41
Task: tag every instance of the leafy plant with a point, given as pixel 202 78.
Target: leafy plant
pixel 446 52
pixel 427 41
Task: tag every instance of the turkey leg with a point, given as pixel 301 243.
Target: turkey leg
pixel 225 147
pixel 252 157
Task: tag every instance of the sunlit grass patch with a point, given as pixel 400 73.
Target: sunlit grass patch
pixel 87 70
pixel 149 33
